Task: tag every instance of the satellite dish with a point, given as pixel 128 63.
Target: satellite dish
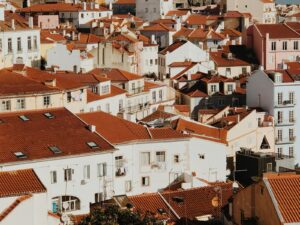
pixel 228 172
pixel 65 205
pixel 235 185
pixel 64 217
pixel 215 201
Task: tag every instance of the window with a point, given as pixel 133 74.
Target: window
pixel 151 62
pixel 154 96
pixel 9 45
pixel 228 71
pixel 279 152
pixel 53 176
pixel 291 152
pixel 0 45
pixel 284 45
pixel 120 105
pixel 47 100
pixel 24 118
pixel 19 44
pixel 49 115
pixel 69 97
pixel 156 61
pixel 92 144
pixel 269 167
pixel 244 70
pixel 107 107
pixel 99 108
pixel 133 86
pixel 35 42
pixel 145 158
pixel 160 95
pixel 68 174
pixel 176 158
pixel 98 197
pixel 229 87
pixel 145 181
pixel 55 149
pixel 213 88
pixel 291 116
pixel 87 172
pixel 154 10
pixel 279 135
pixel 29 43
pixel 160 156
pixel 291 97
pixel 20 155
pixel 119 161
pixel 273 45
pixel 296 45
pixel 291 134
pixel 82 15
pixel 201 156
pixel 95 89
pixel 21 103
pixel 146 10
pixel 102 169
pixel 279 98
pixel 128 185
pixel 6 105
pixel 279 117
pixel 105 89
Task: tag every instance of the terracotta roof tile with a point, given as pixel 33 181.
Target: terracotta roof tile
pixel 116 74
pixel 177 44
pixel 157 115
pixel 46 132
pixel 91 97
pixel 286 189
pixel 221 60
pixel 275 31
pixel 20 182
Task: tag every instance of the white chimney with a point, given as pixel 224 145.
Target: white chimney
pixel 92 128
pixel 97 6
pixel 153 39
pixel 13 24
pixel 28 3
pixel 64 33
pixel 30 22
pixel 110 6
pixel 84 6
pixel 1 13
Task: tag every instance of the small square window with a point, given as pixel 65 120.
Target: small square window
pixel 55 149
pixel 92 144
pixel 20 155
pixel 24 118
pixel 145 181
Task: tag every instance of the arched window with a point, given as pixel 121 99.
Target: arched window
pixel 65 203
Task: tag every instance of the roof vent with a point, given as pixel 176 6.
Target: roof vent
pixel 20 155
pixel 92 128
pixel 24 118
pixel 55 149
pixel 49 115
pixel 92 145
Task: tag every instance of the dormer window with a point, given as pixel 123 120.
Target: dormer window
pixel 213 88
pixel 105 89
pixel 20 155
pixel 92 144
pixel 24 118
pixel 277 77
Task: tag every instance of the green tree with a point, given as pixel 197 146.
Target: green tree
pixel 113 215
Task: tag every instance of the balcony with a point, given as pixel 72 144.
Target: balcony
pixel 137 90
pixel 286 103
pixel 289 122
pixel 138 107
pixel 281 141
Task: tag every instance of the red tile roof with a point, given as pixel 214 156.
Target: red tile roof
pixel 124 131
pixel 116 75
pixel 45 133
pixel 158 27
pixel 157 115
pixel 196 201
pixel 20 182
pixel 125 2
pixel 177 12
pixel 14 83
pixel 222 61
pixel 114 91
pixel 177 44
pixel 59 7
pixel 286 189
pixel 276 31
pixel 196 19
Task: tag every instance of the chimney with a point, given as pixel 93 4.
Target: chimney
pixel 78 36
pixel 97 6
pixel 30 22
pixel 28 3
pixel 92 5
pixel 13 24
pixel 153 39
pixel 110 6
pixel 64 33
pixel 73 36
pixel 111 28
pixel 92 128
pixel 1 13
pixel 84 6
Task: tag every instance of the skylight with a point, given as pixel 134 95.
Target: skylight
pixel 49 115
pixel 24 118
pixel 20 155
pixel 55 149
pixel 92 144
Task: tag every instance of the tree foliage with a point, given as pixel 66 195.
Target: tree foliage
pixel 112 215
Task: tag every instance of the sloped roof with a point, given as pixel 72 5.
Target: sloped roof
pixel 116 74
pixel 177 44
pixel 286 189
pixel 275 31
pixel 19 182
pixel 46 132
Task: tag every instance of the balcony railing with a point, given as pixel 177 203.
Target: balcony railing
pixel 138 107
pixel 288 122
pixel 289 140
pixel 286 103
